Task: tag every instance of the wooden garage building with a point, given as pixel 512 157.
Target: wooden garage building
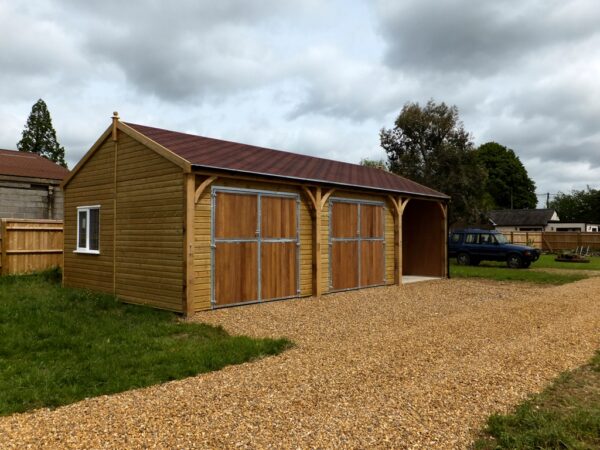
pixel 189 223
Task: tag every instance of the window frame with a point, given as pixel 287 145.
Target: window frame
pixel 86 249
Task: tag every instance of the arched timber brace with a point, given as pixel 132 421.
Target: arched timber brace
pixel 317 201
pixel 200 189
pixel 399 204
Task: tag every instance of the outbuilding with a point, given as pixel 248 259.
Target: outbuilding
pixel 190 223
pixel 29 186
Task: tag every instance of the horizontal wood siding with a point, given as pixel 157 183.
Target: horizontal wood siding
pixel 202 252
pixel 150 204
pixel 92 185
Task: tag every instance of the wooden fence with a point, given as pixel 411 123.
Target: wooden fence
pixel 553 241
pixel 29 245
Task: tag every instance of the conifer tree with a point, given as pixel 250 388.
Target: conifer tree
pixel 39 135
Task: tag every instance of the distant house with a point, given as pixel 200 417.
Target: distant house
pixel 524 219
pixel 575 226
pixel 29 186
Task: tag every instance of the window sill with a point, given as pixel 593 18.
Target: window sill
pixel 87 252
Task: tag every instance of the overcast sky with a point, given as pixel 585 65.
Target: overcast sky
pixel 314 77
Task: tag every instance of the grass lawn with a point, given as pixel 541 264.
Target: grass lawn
pixel 547 262
pixel 564 416
pixel 499 272
pixel 58 346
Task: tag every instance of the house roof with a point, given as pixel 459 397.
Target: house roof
pixel 522 217
pixel 25 164
pixel 204 152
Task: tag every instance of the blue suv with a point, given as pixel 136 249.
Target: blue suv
pixel 471 246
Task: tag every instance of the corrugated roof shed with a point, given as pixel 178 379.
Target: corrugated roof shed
pixel 25 164
pixel 521 217
pixel 224 155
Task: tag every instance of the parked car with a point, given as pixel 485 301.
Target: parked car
pixel 471 246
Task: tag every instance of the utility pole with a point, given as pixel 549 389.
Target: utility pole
pixel 547 200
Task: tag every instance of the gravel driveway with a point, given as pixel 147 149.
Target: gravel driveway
pixel 415 367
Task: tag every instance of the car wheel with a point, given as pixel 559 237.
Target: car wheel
pixel 525 265
pixel 514 261
pixel 463 259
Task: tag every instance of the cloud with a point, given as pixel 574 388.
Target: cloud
pixel 479 38
pixel 189 51
pixel 310 76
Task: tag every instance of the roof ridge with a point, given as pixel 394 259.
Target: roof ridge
pixel 227 141
pixel 202 151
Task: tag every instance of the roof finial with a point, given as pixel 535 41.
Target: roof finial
pixel 115 121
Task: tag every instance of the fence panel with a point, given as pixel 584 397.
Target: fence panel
pixel 565 240
pixel 531 238
pixel 553 241
pixel 29 245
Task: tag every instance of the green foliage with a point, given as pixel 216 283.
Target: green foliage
pixel 547 262
pixel 375 163
pixel 39 135
pixel 58 346
pixel 508 183
pixel 579 206
pixel 564 416
pixel 430 146
pixel 499 272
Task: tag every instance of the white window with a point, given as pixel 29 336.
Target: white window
pixel 88 229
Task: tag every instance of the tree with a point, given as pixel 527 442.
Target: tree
pixel 376 163
pixel 579 206
pixel 430 146
pixel 508 183
pixel 39 135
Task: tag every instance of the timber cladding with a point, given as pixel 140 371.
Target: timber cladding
pixel 162 232
pixel 147 267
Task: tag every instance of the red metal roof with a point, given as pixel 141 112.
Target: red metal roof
pixel 25 164
pixel 217 154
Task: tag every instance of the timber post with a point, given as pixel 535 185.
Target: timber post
pixel 115 139
pixel 444 209
pixel 316 213
pixel 399 205
pixel 188 240
pixel 3 245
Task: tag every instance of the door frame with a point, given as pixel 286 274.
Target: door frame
pixel 358 239
pixel 258 239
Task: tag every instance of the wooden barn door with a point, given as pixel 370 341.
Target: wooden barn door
pixel 356 243
pixel 344 240
pixel 279 249
pixel 235 256
pixel 372 241
pixel 255 246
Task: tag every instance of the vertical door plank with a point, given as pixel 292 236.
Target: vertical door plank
pixel 344 220
pixel 279 270
pixel 344 265
pixel 236 272
pixel 236 216
pixel 278 217
pixel 371 263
